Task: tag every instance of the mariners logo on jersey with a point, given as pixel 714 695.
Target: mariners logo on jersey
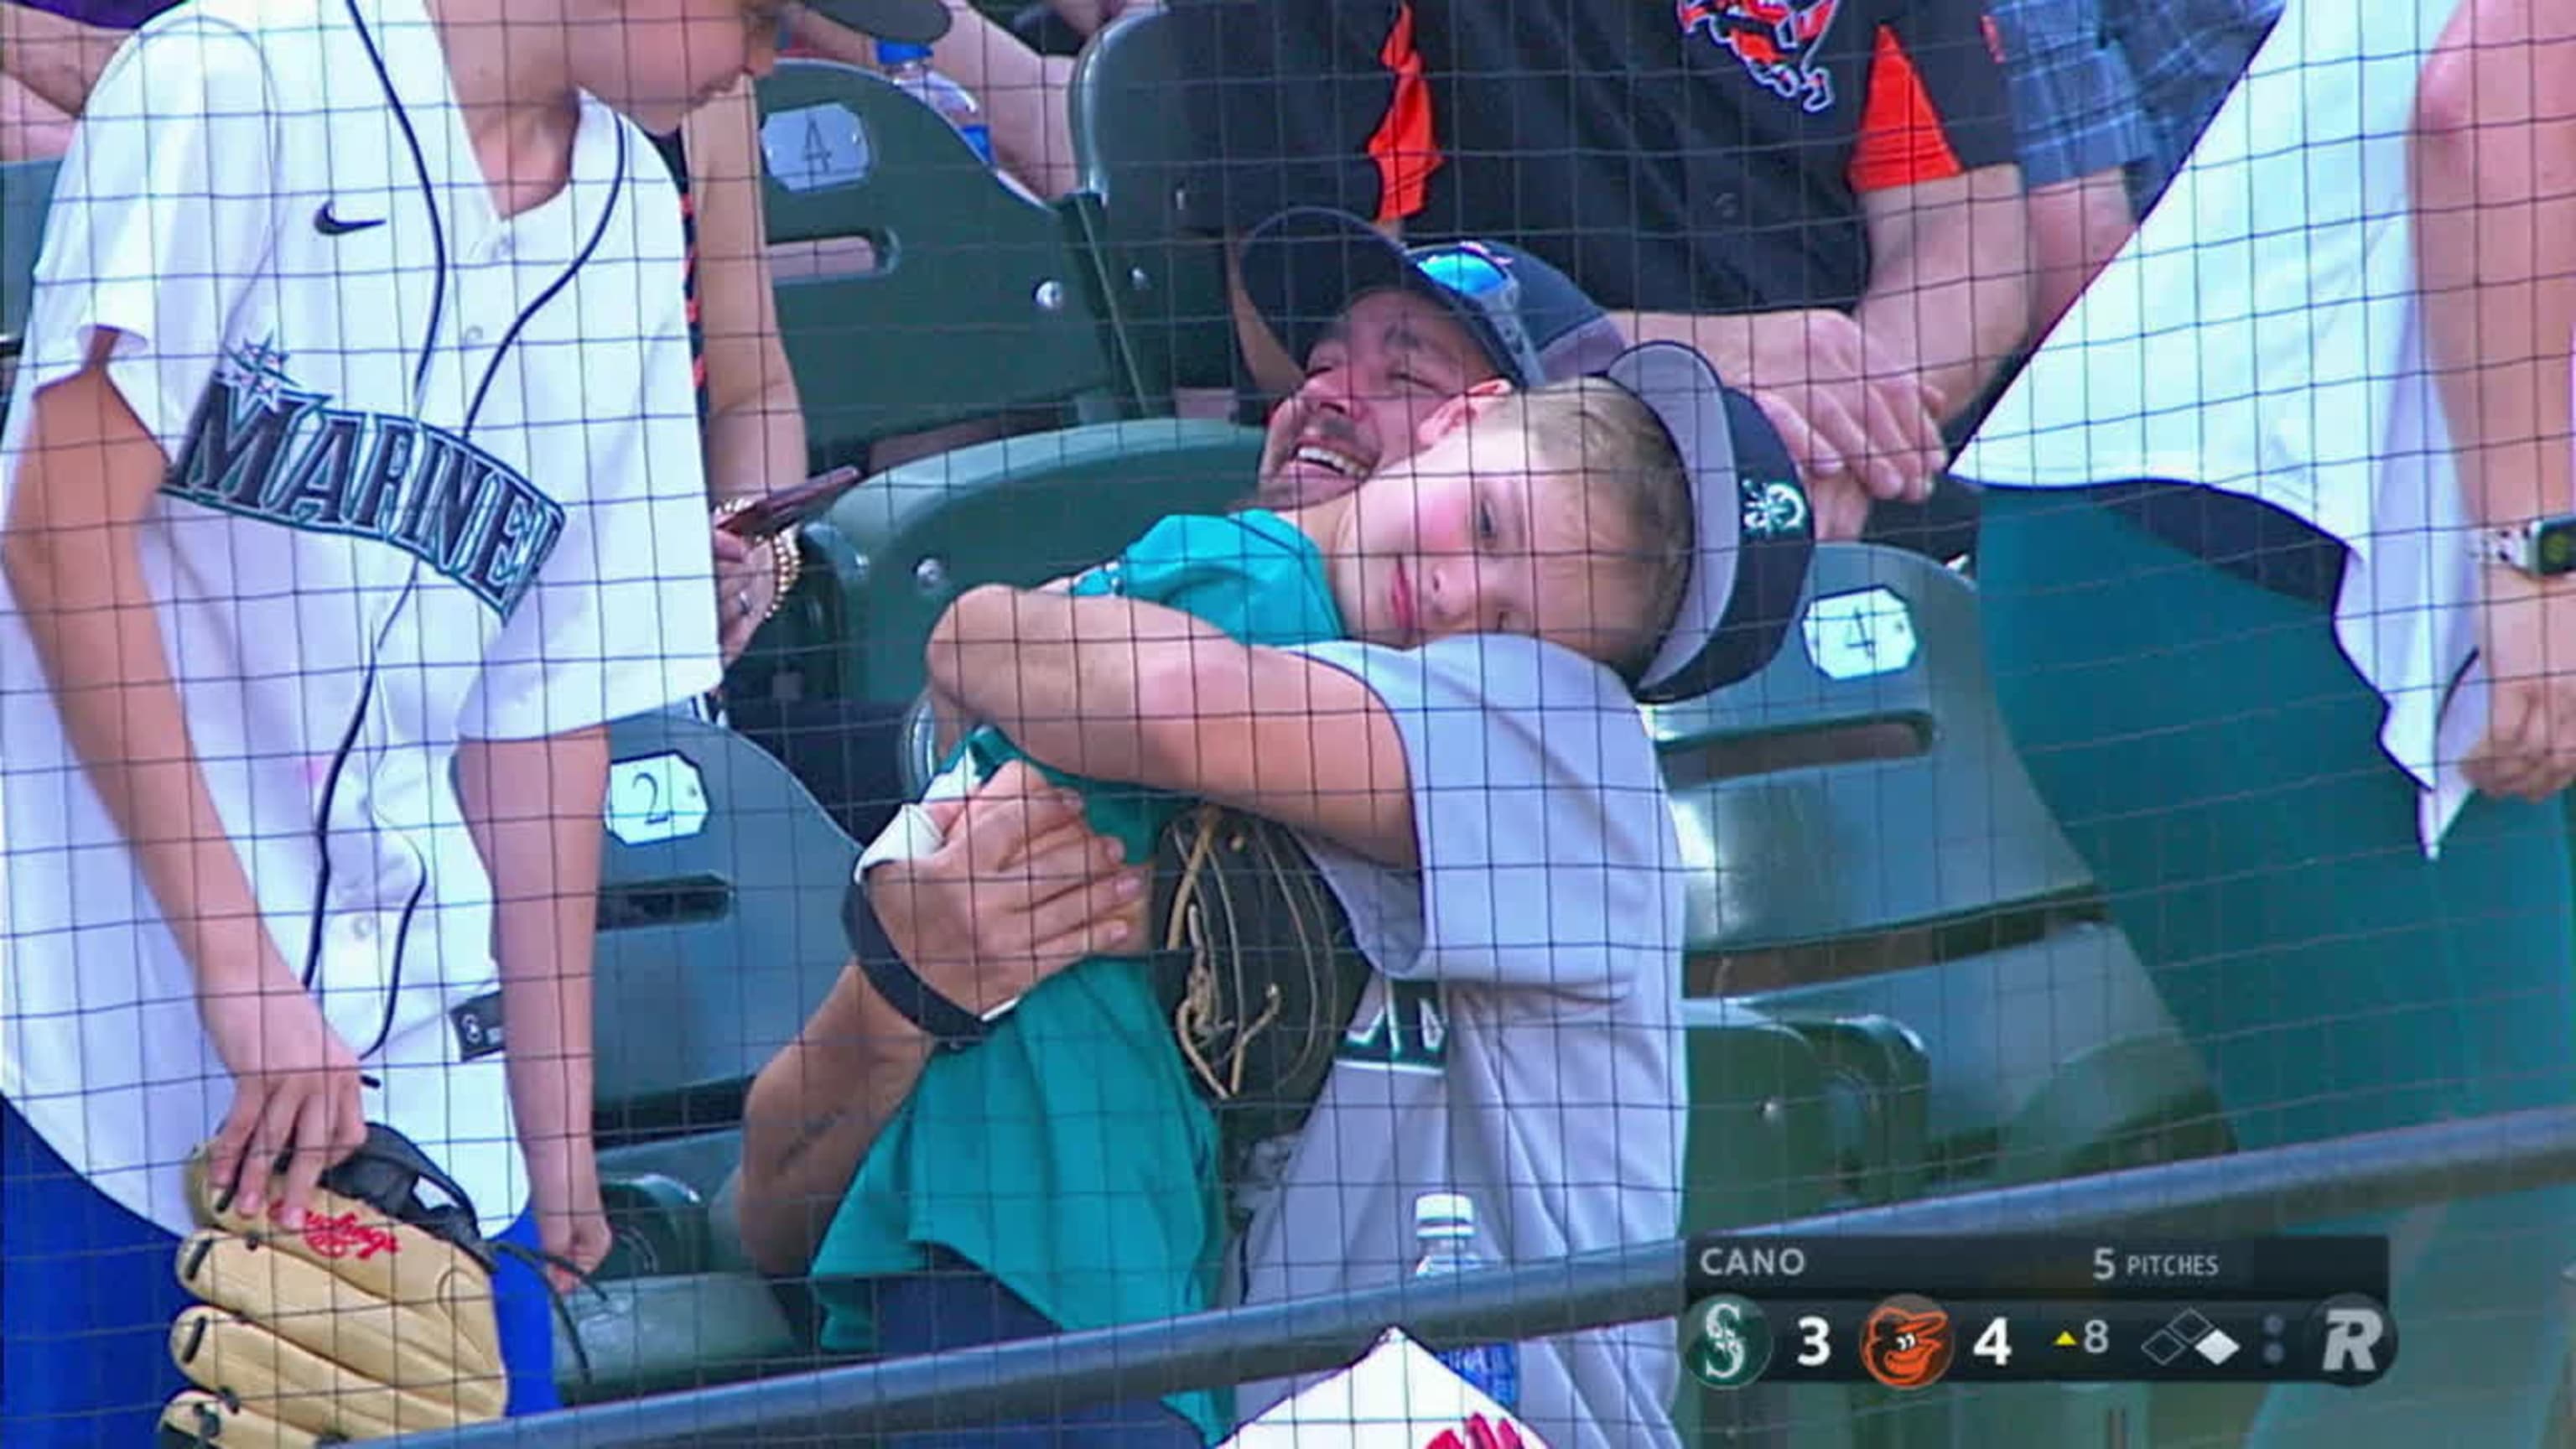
pixel 262 447
pixel 1777 40
pixel 1403 1028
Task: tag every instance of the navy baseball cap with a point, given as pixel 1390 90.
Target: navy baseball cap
pixel 1305 266
pixel 906 22
pixel 1753 533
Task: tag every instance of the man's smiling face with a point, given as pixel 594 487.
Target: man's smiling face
pixel 1371 381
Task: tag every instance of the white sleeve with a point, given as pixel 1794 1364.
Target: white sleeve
pixel 623 619
pixel 1549 857
pixel 161 217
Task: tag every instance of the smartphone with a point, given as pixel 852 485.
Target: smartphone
pixel 793 507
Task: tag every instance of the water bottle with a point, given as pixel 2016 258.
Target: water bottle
pixel 1444 1225
pixel 908 67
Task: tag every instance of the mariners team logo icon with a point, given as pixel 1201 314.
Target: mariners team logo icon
pixel 1905 1343
pixel 1727 1341
pixel 1779 42
pixel 1773 509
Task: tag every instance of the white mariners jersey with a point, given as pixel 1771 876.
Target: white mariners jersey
pixel 1521 1040
pixel 434 475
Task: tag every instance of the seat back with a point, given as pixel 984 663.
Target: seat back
pixel 25 188
pixel 974 301
pixel 2041 1060
pixel 1862 782
pixel 719 923
pixel 1162 287
pixel 1022 510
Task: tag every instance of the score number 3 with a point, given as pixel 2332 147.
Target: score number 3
pixel 1815 1341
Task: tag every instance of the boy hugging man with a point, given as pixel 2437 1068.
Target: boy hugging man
pixel 1063 1172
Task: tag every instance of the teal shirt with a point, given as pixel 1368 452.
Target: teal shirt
pixel 1070 1154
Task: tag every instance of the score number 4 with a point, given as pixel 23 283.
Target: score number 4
pixel 1995 1343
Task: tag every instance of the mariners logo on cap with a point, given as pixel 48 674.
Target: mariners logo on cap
pixel 1774 509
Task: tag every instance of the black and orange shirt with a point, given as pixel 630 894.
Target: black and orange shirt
pixel 676 156
pixel 1704 155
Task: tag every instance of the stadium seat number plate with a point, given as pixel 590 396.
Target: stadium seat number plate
pixel 1855 635
pixel 655 798
pixel 812 147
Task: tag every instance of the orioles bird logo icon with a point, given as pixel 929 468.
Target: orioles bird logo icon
pixel 1905 1343
pixel 1779 41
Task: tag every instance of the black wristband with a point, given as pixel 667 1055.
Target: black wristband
pixel 950 1025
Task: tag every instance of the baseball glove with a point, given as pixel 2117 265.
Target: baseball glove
pixel 1256 966
pixel 375 1319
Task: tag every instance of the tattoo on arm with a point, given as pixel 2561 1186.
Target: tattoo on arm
pixel 814 1130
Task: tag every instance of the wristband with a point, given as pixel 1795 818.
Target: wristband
pixel 951 1026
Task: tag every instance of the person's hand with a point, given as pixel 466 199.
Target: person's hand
pixel 2527 631
pixel 1019 889
pixel 295 1113
pixel 745 580
pixel 1862 425
pixel 571 1222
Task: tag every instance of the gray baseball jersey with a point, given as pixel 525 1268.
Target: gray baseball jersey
pixel 1521 1041
pixel 434 476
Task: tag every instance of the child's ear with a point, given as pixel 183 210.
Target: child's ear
pixel 1458 411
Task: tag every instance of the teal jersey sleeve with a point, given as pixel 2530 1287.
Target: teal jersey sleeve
pixel 1070 1154
pixel 1253 575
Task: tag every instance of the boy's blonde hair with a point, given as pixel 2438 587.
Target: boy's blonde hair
pixel 1637 499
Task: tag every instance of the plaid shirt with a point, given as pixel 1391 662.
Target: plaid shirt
pixel 2098 84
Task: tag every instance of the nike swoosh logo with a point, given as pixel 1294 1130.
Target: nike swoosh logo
pixel 329 225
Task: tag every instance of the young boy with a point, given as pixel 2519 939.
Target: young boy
pixel 1062 1174
pixel 351 486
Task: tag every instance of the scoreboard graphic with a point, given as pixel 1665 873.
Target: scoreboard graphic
pixel 1910 1313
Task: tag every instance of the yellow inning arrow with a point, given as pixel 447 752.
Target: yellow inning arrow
pixel 2065 1339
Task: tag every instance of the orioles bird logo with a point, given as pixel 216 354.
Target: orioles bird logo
pixel 1905 1343
pixel 1777 40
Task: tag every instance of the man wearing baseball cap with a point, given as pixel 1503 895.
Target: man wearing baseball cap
pixel 1387 334
pixel 1488 810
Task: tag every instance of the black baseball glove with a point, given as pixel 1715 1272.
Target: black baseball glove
pixel 1256 966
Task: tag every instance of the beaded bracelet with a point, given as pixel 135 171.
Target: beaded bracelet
pixel 786 560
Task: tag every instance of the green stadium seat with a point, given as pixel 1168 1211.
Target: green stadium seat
pixel 671 1205
pixel 660 1334
pixel 1162 287
pixel 983 302
pixel 1798 843
pixel 1759 1147
pixel 719 923
pixel 1019 510
pixel 1863 785
pixel 25 188
pixel 661 1195
pixel 977 300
